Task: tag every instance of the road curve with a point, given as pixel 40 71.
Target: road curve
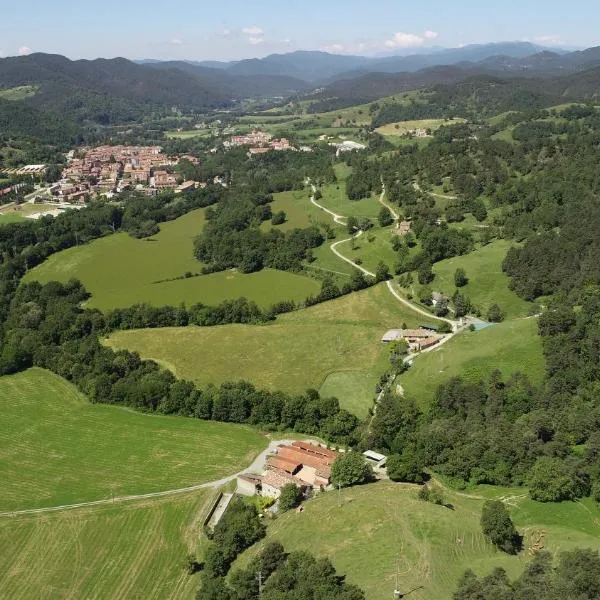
pixel 339 219
pixel 257 465
pixel 345 258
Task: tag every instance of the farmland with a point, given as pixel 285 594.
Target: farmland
pixel 300 350
pixel 383 529
pixel 131 550
pixel 510 347
pixel 56 448
pixel 487 283
pixel 121 271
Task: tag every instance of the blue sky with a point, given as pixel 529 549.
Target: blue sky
pixel 233 29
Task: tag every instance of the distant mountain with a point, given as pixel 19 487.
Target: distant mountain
pixel 322 67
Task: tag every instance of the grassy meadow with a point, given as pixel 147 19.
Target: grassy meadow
pixel 510 346
pixel 403 127
pixel 487 283
pixel 335 199
pixel 120 271
pixel 300 350
pixel 57 448
pixel 20 92
pixel 131 550
pixel 383 529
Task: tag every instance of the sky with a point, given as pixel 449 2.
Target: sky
pixel 236 29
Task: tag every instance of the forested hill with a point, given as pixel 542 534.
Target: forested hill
pixel 117 90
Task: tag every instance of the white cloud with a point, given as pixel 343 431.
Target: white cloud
pixel 24 50
pixel 405 40
pixel 286 41
pixel 255 40
pixel 252 30
pixel 176 41
pixel 226 32
pixel 550 39
pixel 334 48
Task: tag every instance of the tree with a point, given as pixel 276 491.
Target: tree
pixel 497 525
pixel 350 468
pixel 425 294
pixel 352 225
pixel 444 327
pixel 278 218
pixel 460 278
pixel 553 480
pixel 405 467
pixel 425 273
pixel 291 495
pixel 382 273
pixel 385 217
pixel 495 314
pixel 461 305
pixel 441 308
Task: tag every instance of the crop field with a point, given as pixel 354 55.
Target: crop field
pixel 56 448
pixel 120 271
pixel 382 529
pixel 131 550
pixel 510 346
pixel 300 350
pixel 402 127
pixel 487 283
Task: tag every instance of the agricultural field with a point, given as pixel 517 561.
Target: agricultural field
pixel 510 347
pixel 300 350
pixel 403 127
pixel 487 283
pixel 382 529
pixel 57 448
pixel 121 551
pixel 120 271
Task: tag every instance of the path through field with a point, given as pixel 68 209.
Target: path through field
pixel 255 466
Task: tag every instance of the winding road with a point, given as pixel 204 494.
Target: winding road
pixel 257 465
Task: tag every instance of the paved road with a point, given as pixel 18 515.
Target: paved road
pixel 257 466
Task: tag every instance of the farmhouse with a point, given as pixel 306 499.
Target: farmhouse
pixel 404 227
pixel 418 339
pixel 306 465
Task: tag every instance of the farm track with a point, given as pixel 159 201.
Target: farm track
pixel 256 464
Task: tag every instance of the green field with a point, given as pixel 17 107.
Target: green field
pixel 300 350
pixel 298 209
pixel 487 283
pixel 335 199
pixel 132 550
pixel 372 247
pixel 383 529
pixel 121 271
pixel 510 346
pixel 186 135
pixel 56 448
pixel 19 93
pixel 402 127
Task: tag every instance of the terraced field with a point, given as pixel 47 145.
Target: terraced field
pixel 56 448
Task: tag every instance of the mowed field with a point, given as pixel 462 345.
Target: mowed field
pixel 300 350
pixel 382 529
pixel 131 550
pixel 121 271
pixel 487 283
pixel 57 448
pixel 511 346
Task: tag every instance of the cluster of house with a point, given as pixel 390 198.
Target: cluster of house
pixel 306 465
pixel 418 339
pixel 109 169
pixel 261 142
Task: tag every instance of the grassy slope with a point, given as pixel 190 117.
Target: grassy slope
pixel 336 200
pixel 299 351
pixel 383 528
pixel 56 448
pixel 487 283
pixel 120 271
pixel 406 126
pixel 510 346
pixel 133 550
pixel 19 93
